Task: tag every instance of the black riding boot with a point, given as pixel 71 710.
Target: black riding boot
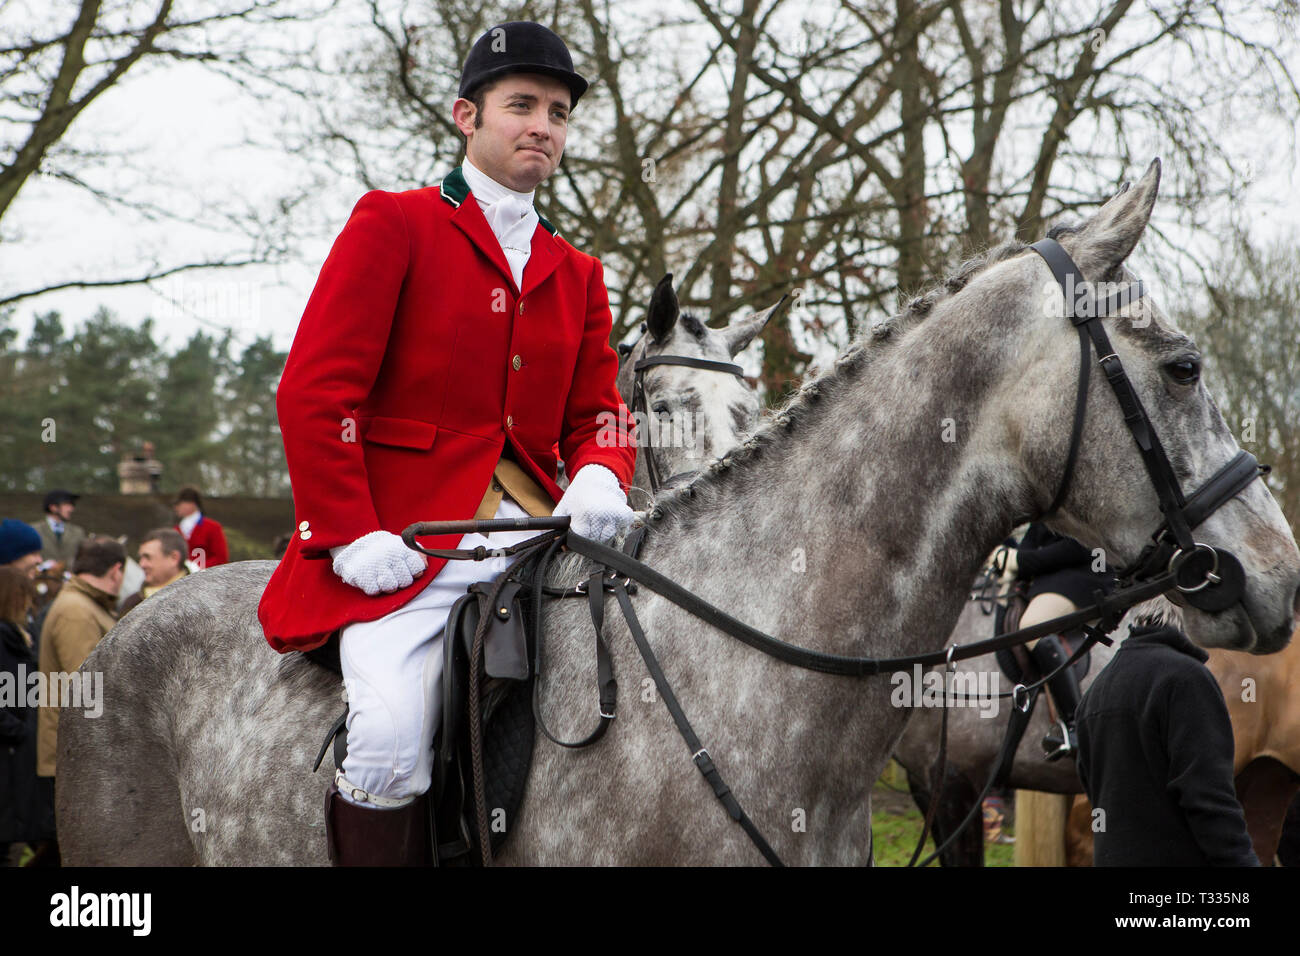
pixel 368 836
pixel 1048 654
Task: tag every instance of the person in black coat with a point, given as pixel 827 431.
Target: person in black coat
pixel 26 809
pixel 1155 757
pixel 1062 577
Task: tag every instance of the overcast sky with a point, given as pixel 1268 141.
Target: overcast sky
pixel 187 129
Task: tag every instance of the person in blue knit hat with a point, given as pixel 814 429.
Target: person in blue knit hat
pixel 20 547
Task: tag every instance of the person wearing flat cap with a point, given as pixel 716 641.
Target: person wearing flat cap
pixel 60 538
pixel 454 349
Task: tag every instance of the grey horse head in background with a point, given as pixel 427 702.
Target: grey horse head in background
pixel 687 415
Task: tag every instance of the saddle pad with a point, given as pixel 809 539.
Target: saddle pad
pixel 1015 661
pixel 508 742
pixel 508 736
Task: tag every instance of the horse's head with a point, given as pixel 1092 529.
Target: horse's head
pixel 1111 500
pixel 687 414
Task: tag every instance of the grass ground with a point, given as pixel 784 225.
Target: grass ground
pixel 896 825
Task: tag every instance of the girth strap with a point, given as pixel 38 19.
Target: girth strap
pixel 606 685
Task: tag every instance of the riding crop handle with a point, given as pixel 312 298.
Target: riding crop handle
pixel 426 529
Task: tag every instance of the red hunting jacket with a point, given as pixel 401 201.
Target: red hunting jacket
pixel 416 361
pixel 207 543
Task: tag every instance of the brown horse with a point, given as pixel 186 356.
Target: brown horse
pixel 1263 695
pixel 48 581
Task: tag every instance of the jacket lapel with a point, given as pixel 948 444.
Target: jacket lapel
pixel 471 221
pixel 543 259
pixel 545 254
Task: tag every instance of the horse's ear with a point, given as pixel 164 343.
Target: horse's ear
pixel 663 310
pixel 741 332
pixel 1107 239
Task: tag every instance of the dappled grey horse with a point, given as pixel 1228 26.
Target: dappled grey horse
pixel 688 398
pixel 847 523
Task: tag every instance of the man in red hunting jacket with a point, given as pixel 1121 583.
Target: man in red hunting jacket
pixel 452 344
pixel 205 536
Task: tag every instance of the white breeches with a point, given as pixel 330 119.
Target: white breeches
pixel 392 669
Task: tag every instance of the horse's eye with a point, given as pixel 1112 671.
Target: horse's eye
pixel 1185 372
pixel 659 408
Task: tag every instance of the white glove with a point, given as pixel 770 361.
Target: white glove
pixel 596 504
pixel 377 563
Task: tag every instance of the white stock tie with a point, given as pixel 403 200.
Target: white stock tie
pixel 513 222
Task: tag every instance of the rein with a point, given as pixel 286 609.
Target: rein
pixel 1210 579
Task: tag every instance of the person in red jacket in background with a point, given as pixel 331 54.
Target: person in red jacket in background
pixel 207 542
pixel 452 345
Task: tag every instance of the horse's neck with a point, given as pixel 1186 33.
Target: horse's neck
pixel 857 531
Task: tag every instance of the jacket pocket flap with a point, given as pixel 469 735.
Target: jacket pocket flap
pixel 402 432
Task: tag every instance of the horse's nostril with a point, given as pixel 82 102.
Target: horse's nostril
pixel 1295 608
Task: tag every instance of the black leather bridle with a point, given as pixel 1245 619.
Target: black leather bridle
pixel 640 403
pixel 1211 579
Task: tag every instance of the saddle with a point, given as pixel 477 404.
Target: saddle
pixel 508 724
pixel 507 719
pixel 1015 661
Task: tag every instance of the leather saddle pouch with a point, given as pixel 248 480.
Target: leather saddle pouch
pixel 505 656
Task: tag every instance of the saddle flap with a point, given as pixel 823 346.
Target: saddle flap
pixel 461 624
pixel 505 653
pixel 505 646
pixel 506 706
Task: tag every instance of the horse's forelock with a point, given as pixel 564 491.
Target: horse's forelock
pixel 692 324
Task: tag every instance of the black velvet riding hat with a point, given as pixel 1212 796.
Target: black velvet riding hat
pixel 519 46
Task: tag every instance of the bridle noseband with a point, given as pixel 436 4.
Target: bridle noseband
pixel 1214 578
pixel 639 403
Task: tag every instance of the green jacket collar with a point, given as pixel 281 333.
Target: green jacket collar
pixel 454 189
